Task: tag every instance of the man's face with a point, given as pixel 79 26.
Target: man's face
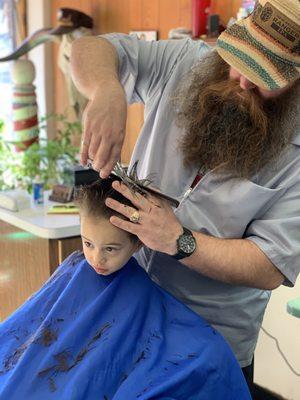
pixel 246 84
pixel 106 247
pixel 230 125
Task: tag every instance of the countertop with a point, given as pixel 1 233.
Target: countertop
pixel 36 220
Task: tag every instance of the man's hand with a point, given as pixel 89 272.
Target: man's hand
pixel 234 261
pixel 94 68
pixel 104 126
pixel 157 226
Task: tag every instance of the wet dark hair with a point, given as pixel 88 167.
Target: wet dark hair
pixel 91 200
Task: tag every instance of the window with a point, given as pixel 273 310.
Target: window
pixel 7 44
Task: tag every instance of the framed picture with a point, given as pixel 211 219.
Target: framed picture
pixel 145 35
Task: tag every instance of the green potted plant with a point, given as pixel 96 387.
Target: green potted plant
pixel 51 160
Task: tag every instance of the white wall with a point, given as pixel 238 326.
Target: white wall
pixel 270 370
pixel 39 16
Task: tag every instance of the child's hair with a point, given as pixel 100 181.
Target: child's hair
pixel 91 200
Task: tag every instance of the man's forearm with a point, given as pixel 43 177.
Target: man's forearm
pixel 93 61
pixel 235 261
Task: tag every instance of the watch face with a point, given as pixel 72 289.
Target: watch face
pixel 187 244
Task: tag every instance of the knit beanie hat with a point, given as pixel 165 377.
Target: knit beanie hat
pixel 265 46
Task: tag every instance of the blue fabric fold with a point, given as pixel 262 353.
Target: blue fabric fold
pixel 84 336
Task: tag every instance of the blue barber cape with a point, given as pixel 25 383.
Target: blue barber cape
pixel 84 336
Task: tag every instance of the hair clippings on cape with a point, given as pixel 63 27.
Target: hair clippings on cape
pixel 131 180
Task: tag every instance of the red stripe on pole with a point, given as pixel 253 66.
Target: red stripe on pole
pixel 25 123
pixel 23 94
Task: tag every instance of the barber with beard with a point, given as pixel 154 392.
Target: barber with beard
pixel 220 134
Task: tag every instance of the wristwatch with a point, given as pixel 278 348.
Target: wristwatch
pixel 186 244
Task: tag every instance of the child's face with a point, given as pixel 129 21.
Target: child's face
pixel 106 247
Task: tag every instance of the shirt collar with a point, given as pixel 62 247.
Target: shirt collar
pixel 296 139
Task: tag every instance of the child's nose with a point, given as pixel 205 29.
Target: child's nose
pixel 99 258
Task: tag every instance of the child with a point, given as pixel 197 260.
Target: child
pixel 111 248
pixel 100 329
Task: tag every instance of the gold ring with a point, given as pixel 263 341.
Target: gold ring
pixel 135 217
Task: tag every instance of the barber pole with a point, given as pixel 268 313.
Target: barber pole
pixel 25 110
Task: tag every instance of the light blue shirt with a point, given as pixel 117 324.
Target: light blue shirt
pixel 265 209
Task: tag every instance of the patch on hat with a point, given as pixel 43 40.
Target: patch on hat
pixel 278 26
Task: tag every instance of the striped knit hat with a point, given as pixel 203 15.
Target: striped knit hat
pixel 265 47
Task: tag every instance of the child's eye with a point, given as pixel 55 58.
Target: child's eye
pixel 110 249
pixel 87 244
